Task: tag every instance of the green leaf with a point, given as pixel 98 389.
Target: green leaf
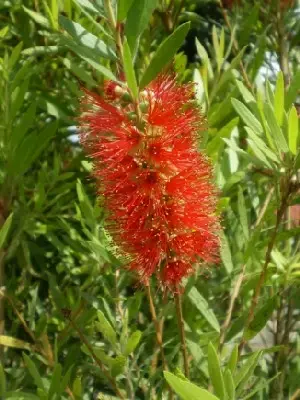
pixel 293 130
pixel 56 294
pixel 279 98
pixel 31 147
pixel 261 317
pixel 88 5
pixel 202 53
pixel 243 213
pixel 218 46
pixel 22 126
pixel 249 119
pixel 216 144
pixel 55 381
pixel 276 131
pixel 242 376
pixel 123 8
pixel 77 388
pixel 65 381
pixel 106 329
pixel 79 71
pixel 5 230
pixel 247 95
pixel 4 31
pixel 87 39
pixel 32 369
pixel 260 386
pixel 98 67
pixel 118 365
pixel 21 396
pixel 293 90
pixel 187 390
pixel 132 343
pixel 2 381
pixel 37 17
pixel 10 341
pixel 227 74
pixel 137 20
pixel 233 359
pixel 165 53
pixel 229 385
pixel 18 97
pixel 226 254
pixel 15 55
pixel 129 71
pixel 215 372
pixel 260 143
pixel 202 305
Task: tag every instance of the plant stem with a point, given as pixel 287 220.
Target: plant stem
pixel 283 49
pixel 233 298
pixel 296 395
pixel 2 317
pixel 240 278
pixel 157 327
pixel 236 47
pixel 180 321
pixel 263 274
pixel 96 359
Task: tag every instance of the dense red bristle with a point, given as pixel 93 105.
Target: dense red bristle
pixel 156 186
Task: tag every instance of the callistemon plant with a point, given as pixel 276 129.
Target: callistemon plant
pixel 155 183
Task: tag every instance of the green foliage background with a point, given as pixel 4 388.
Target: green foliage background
pixel 66 304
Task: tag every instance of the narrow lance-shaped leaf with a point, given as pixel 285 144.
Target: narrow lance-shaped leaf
pixel 165 53
pixel 243 213
pixel 293 130
pixel 279 98
pixel 34 372
pixel 55 381
pixel 123 8
pixel 5 230
pixel 132 343
pixel 226 254
pixel 2 381
pixel 261 317
pixel 187 390
pixel 204 309
pixel 202 53
pixel 215 372
pixel 276 131
pixel 129 70
pixel 232 362
pixel 247 116
pixel 137 20
pixel 229 385
pixel 293 90
pixel 242 376
pixel 95 45
pixel 106 329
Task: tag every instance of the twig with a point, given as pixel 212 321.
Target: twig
pixel 236 47
pixel 240 278
pixel 283 51
pixel 262 278
pixel 157 327
pixel 18 314
pixel 180 321
pixel 2 281
pixel 296 395
pixel 96 359
pixel 233 298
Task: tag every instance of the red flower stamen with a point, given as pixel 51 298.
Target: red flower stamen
pixel 156 185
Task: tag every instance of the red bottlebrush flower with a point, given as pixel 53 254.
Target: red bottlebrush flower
pixel 155 184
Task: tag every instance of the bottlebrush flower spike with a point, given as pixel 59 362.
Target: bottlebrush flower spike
pixel 155 184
